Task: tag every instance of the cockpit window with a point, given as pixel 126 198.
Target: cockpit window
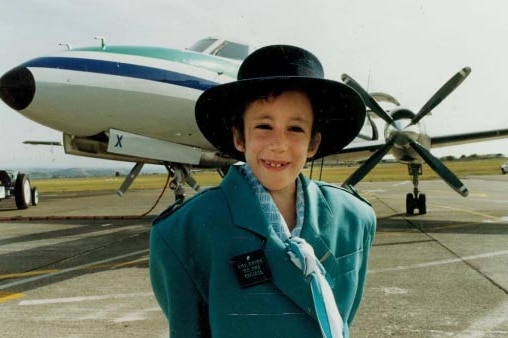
pixel 233 50
pixel 223 48
pixel 202 45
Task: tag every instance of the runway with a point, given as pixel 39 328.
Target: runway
pixel 77 264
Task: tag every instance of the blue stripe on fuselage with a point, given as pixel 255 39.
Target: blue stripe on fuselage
pixel 121 69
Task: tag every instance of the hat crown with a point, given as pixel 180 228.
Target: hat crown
pixel 280 61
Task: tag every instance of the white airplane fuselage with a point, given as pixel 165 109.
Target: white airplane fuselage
pixel 86 92
pixel 90 93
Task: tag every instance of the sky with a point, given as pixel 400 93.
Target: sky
pixel 408 49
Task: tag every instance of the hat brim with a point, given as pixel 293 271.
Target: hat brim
pixel 338 111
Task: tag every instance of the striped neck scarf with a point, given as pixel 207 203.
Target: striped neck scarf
pixel 270 210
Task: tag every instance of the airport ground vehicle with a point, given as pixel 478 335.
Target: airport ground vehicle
pixel 504 167
pixel 18 185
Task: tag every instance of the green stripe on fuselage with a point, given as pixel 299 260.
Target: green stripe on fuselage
pixel 217 64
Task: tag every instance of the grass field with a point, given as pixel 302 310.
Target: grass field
pixel 382 172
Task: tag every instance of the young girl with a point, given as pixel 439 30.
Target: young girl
pixel 268 253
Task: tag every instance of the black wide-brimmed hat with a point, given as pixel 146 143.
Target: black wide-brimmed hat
pixel 339 112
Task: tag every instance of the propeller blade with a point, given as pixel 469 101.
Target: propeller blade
pixel 365 168
pixel 367 99
pixel 442 93
pixel 446 174
pixel 375 134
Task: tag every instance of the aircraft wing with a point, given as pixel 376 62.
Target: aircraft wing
pixel 451 140
pixel 358 151
pixel 44 143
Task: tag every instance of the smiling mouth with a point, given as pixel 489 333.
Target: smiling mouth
pixel 276 165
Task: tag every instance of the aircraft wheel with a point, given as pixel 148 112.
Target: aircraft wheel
pixel 22 191
pixel 35 196
pixel 410 204
pixel 422 205
pixel 173 185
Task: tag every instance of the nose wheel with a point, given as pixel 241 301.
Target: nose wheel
pixel 181 174
pixel 418 202
pixel 415 200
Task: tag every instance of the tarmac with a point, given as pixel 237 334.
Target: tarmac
pixel 76 265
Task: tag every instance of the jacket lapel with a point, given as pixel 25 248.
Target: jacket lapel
pixel 244 206
pixel 317 222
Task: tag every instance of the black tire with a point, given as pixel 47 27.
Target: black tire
pixel 410 204
pixel 422 204
pixel 35 196
pixel 173 185
pixel 22 192
pixel 5 179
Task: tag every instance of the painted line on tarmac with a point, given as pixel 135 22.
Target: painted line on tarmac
pixel 467 211
pixel 7 296
pixel 120 265
pixel 484 327
pixel 441 262
pixel 400 183
pixel 26 274
pixel 60 272
pixel 40 243
pixel 82 298
pixel 138 315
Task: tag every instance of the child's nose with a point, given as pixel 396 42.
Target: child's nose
pixel 279 142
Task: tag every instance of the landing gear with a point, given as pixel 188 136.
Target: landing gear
pixel 181 174
pixel 35 196
pixel 416 200
pixel 413 203
pixel 22 192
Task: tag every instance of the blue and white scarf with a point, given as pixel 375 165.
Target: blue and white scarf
pixel 270 210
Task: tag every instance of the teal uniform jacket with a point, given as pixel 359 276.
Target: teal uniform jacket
pixel 193 278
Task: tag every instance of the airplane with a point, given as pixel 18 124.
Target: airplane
pixel 136 104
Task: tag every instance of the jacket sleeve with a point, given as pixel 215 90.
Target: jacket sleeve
pixel 368 239
pixel 176 291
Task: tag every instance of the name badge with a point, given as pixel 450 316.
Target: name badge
pixel 251 268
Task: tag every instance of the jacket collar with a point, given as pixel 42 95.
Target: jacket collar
pixel 244 206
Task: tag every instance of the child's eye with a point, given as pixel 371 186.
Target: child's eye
pixel 296 129
pixel 263 126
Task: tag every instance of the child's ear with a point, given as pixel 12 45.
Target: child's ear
pixel 238 140
pixel 314 145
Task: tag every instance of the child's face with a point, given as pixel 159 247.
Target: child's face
pixel 277 140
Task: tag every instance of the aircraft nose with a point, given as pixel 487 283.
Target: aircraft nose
pixel 17 88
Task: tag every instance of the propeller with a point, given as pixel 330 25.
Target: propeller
pixel 402 132
pixel 442 93
pixel 367 99
pixel 446 174
pixel 371 162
